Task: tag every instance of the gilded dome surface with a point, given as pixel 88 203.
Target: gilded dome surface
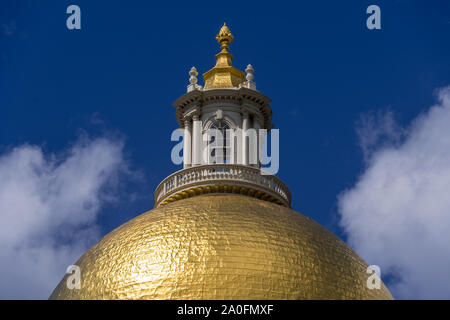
pixel 221 247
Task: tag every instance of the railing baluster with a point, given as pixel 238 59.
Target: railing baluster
pixel 219 172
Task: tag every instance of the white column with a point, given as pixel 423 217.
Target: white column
pixel 238 142
pixel 262 140
pixel 187 148
pixel 259 141
pixel 197 140
pixel 232 147
pixel 245 121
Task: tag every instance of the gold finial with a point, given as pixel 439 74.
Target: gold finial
pixel 224 38
pixel 223 75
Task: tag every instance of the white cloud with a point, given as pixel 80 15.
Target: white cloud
pixel 377 129
pixel 398 213
pixel 48 210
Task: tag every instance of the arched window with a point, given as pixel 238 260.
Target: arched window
pixel 219 143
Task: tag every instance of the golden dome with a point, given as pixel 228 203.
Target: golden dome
pixel 221 247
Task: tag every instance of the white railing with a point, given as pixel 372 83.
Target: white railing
pixel 244 176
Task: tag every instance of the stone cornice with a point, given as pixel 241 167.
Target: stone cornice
pixel 239 97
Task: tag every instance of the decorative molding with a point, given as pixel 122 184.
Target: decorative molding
pixel 238 97
pixel 207 124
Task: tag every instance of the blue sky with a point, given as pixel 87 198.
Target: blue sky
pixel 118 76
